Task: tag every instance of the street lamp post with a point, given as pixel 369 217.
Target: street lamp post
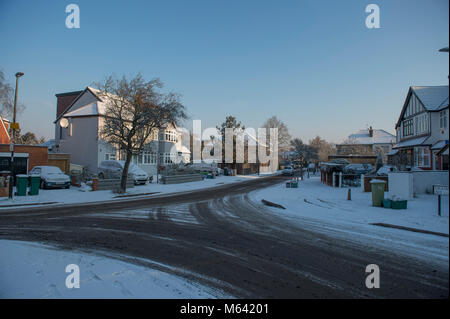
pixel 445 50
pixel 13 126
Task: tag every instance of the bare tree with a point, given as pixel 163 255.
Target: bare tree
pixel 7 98
pixel 283 133
pixel 28 138
pixel 134 109
pixel 304 152
pixel 323 148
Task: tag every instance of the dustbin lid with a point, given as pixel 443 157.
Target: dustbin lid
pixel 377 181
pixel 22 175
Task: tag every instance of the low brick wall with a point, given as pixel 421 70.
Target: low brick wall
pixel 368 186
pixel 112 184
pixel 177 179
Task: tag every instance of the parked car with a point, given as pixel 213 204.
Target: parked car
pixel 288 170
pixel 113 169
pixel 386 169
pixel 51 177
pixel 357 168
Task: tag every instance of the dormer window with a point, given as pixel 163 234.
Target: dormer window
pixel 171 136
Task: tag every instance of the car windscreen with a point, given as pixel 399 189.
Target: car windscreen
pixel 51 170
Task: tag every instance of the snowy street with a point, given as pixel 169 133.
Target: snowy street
pixel 76 195
pixel 223 242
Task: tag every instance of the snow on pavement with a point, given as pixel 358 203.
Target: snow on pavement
pixel 75 195
pixel 326 209
pixel 29 270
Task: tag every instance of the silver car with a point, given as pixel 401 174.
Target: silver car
pixel 113 169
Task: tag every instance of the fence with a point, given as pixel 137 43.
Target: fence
pixel 416 182
pixel 177 179
pixel 112 184
pixel 368 186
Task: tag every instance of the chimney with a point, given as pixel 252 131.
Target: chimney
pixel 370 131
pixel 63 100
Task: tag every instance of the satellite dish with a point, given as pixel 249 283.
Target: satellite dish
pixel 64 122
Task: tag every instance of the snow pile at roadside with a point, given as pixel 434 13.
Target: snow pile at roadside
pixel 37 271
pixel 80 195
pixel 315 200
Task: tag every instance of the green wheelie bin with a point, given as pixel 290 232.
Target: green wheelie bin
pixel 377 186
pixel 21 185
pixel 35 181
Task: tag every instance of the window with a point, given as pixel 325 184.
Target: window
pixel 137 158
pixel 171 136
pixel 70 129
pixel 167 158
pixel 443 119
pixel 110 156
pixel 422 157
pixel 408 128
pixel 149 158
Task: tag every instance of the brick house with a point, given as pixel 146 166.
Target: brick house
pixel 25 156
pixel 363 146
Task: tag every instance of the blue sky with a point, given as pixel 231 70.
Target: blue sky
pixel 312 63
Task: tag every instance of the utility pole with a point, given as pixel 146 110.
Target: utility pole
pixel 12 140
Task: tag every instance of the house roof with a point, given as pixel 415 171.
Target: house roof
pixel 4 132
pixel 183 149
pixel 88 88
pixel 412 142
pixel 433 98
pixel 439 144
pixel 363 137
pixel 393 152
pixel 91 109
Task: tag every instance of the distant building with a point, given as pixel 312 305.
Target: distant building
pixel 364 146
pixel 422 129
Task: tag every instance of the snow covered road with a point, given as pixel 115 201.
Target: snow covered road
pixel 222 239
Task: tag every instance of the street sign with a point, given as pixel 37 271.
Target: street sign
pixel 440 189
pixel 15 126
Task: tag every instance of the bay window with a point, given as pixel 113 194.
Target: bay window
pixel 422 156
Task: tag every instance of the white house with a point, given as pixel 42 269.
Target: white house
pixel 83 113
pixel 422 129
pixel 367 142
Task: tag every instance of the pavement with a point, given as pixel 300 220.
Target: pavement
pixel 220 238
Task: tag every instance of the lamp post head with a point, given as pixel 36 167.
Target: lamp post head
pixel 444 49
pixel 19 74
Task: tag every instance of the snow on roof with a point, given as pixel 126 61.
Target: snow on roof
pixel 434 98
pixel 393 152
pixel 413 142
pixel 91 109
pixel 363 137
pixel 184 149
pixel 440 144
